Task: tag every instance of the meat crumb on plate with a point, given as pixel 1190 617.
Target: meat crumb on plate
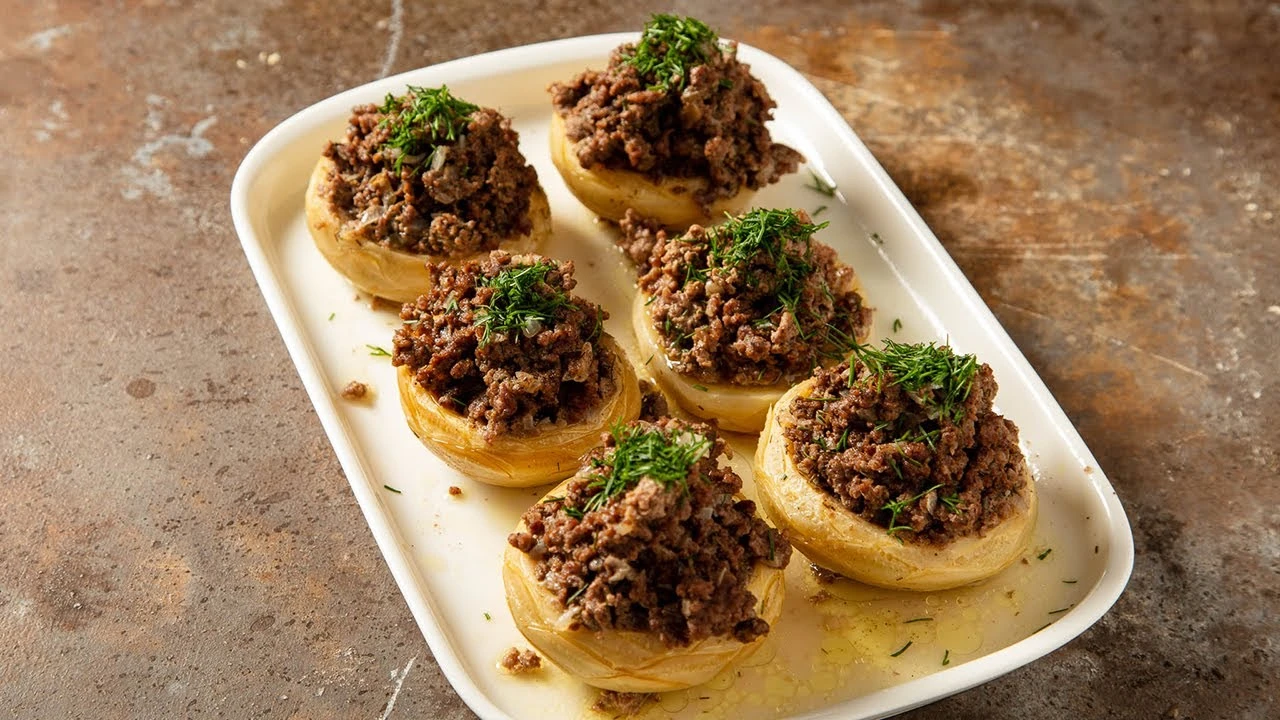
pixel 517 661
pixel 354 390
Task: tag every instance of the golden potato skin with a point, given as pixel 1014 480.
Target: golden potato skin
pixel 622 660
pixel 395 274
pixel 831 536
pixel 609 193
pixel 734 407
pixel 516 461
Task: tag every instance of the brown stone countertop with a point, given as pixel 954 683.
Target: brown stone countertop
pixel 1106 174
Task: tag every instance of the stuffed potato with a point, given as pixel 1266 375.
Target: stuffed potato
pixel 740 408
pixel 672 519
pixel 950 528
pixel 730 316
pixel 423 178
pixel 610 192
pixel 515 460
pixel 675 127
pixel 506 375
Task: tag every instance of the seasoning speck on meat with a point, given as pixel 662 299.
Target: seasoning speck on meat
pixel 677 104
pixel 506 344
pixel 753 301
pixel 907 438
pixel 454 490
pixel 517 661
pixel 648 537
pixel 428 173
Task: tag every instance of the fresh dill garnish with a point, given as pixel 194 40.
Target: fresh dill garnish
pixel 420 122
pixel 946 657
pixel 937 377
pixel 897 324
pixel 1044 554
pixel 703 388
pixel 902 649
pixel 388 487
pixel 1059 611
pixel 952 502
pixel 916 620
pixel 875 236
pixel 522 300
pixel 818 184
pixel 332 315
pixel 821 209
pixel 573 512
pixel 487 616
pixel 376 351
pixel 1070 582
pixel 569 600
pixel 639 452
pixel 897 506
pixel 670 47
pixel 741 239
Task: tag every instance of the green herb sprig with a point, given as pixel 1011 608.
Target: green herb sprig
pixel 421 121
pixel 739 240
pixel 820 186
pixel 670 47
pixel 522 299
pixel 895 507
pixel 639 452
pixel 940 379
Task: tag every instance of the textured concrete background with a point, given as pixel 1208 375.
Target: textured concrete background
pixel 176 538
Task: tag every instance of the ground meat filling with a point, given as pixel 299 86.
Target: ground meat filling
pixel 767 319
pixel 712 128
pixel 549 368
pixel 673 558
pixel 891 460
pixel 459 199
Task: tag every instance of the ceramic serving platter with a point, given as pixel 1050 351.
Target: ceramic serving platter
pixel 837 650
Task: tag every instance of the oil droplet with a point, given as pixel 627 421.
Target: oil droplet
pixel 837 650
pixel 763 656
pixel 779 687
pixel 674 702
pixel 724 680
pixel 824 682
pixel 960 638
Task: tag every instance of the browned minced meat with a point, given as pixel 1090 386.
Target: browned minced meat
pixel 455 490
pixel 653 404
pixel 517 661
pixel 668 561
pixel 622 704
pixel 730 327
pixel 822 575
pixel 478 195
pixel 515 382
pixel 354 390
pixel 966 483
pixel 714 128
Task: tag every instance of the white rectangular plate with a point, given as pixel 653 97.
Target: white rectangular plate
pixel 831 654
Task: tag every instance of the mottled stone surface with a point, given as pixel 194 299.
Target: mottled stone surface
pixel 1105 175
